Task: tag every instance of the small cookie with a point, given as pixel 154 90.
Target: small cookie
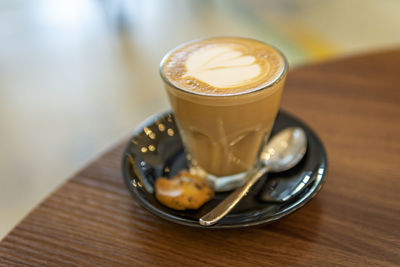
pixel 184 191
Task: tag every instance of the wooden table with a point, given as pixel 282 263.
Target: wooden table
pixel 353 104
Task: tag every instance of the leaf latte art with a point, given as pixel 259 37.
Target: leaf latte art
pixel 222 66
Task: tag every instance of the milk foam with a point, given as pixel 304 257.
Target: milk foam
pixel 222 66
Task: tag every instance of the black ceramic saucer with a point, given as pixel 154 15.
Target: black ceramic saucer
pixel 156 150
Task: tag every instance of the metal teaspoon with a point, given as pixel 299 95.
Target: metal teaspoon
pixel 282 153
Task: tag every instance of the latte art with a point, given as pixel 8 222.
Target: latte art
pixel 223 66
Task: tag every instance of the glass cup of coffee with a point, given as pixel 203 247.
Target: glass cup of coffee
pixel 225 93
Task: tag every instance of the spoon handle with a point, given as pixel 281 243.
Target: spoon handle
pixel 230 202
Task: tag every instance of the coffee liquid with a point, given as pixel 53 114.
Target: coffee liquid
pixel 225 94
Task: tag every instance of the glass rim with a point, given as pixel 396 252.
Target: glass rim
pixel 278 78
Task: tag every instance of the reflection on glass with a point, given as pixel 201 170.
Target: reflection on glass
pixel 170 132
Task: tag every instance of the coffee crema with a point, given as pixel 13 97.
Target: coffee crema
pixel 223 66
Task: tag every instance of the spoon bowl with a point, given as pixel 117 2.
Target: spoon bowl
pixel 285 150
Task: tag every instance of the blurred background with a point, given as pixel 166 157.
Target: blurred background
pixel 77 76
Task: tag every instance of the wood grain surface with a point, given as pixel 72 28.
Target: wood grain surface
pixel 353 104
